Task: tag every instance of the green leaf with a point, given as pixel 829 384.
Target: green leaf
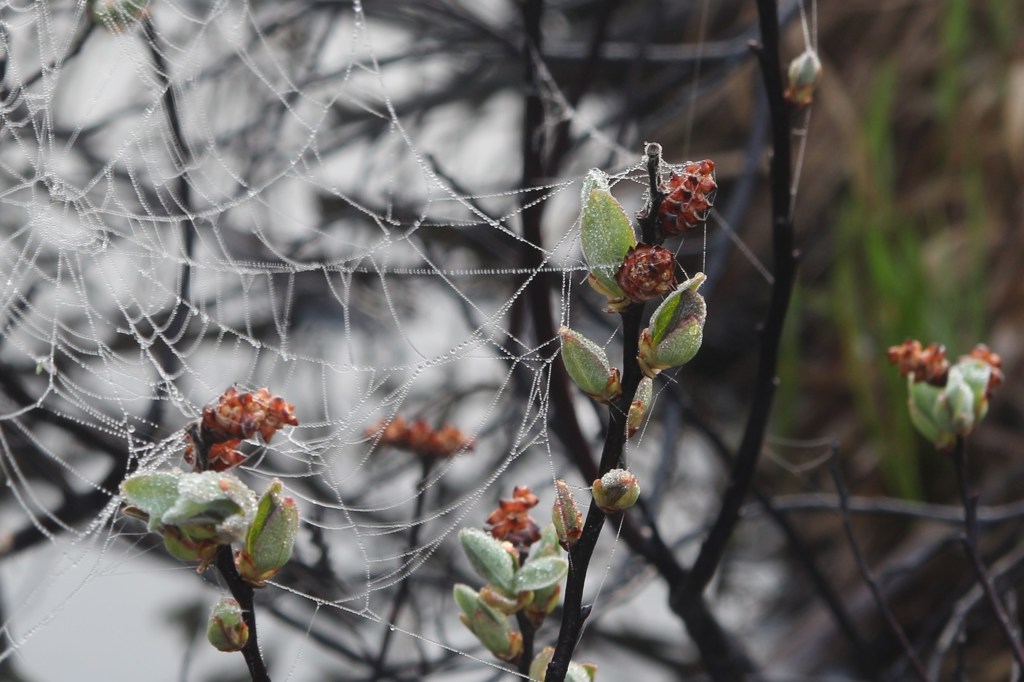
pixel 540 573
pixel 154 492
pixel 489 558
pixel 466 598
pixel 606 232
pixel 210 497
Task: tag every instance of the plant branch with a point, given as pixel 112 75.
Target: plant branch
pixel 165 352
pixel 970 543
pixel 865 572
pixel 243 593
pixel 415 528
pixel 785 259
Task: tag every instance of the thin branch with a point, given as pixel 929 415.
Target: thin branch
pixel 242 591
pixel 970 543
pixel 886 506
pixel 785 257
pixel 869 580
pixel 415 528
pixel 165 352
pixel 243 594
pixel 1008 570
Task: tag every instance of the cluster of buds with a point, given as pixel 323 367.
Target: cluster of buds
pixel 522 568
pixel 511 521
pixel 690 193
pixel 628 273
pixel 197 513
pixel 946 401
pixel 194 512
pixel 421 438
pixel 233 418
pixel 804 76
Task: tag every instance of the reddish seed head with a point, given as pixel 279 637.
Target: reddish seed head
pixel 235 417
pixel 511 521
pixel 421 438
pixel 924 364
pixel 648 271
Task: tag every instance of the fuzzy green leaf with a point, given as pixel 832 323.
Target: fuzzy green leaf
pixel 606 232
pixel 540 573
pixel 489 558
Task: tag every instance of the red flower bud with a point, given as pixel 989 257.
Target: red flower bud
pixel 648 271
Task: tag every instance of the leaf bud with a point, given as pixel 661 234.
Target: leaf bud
pixel 804 76
pixel 269 542
pixel 499 601
pixel 616 491
pixel 565 516
pixel 587 365
pixel 488 624
pixel 544 602
pixel 676 329
pixel 226 629
pixel 640 407
pixel 606 235
pixel 192 543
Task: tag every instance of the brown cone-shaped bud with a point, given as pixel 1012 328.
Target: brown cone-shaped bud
pixel 648 271
pixel 690 194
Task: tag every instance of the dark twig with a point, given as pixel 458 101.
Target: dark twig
pixel 785 258
pixel 527 630
pixel 886 506
pixel 718 650
pixel 165 353
pixel 724 659
pixel 1006 571
pixel 404 588
pixel 798 547
pixel 243 594
pixel 970 543
pixel 611 457
pixel 869 579
pixel 242 591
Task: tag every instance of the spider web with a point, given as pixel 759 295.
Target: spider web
pixel 285 195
